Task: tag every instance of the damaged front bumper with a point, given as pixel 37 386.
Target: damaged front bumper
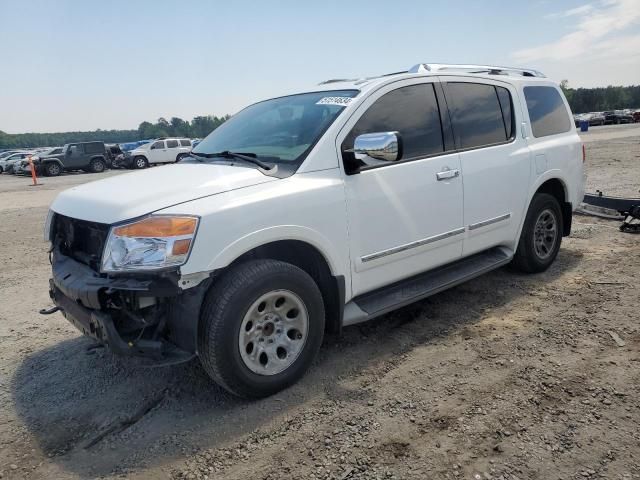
pixel 146 316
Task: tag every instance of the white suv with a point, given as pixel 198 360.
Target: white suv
pixel 310 212
pixel 161 150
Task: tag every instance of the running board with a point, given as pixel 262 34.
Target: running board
pixel 381 301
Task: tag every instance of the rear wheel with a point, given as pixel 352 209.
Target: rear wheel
pixel 541 235
pixel 140 162
pixel 52 169
pixel 97 165
pixel 261 327
pixel 180 157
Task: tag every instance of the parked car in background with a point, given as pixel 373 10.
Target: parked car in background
pixel 596 118
pixel 314 211
pixel 87 156
pixel 161 150
pixel 8 163
pixel 6 153
pixel 617 117
pixel 25 166
pixel 636 116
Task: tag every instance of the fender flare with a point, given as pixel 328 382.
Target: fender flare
pixel 242 245
pixel 555 174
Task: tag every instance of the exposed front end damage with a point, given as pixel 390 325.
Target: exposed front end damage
pixel 146 315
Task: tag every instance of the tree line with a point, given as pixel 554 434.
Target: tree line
pixel 581 100
pixel 584 100
pixel 199 127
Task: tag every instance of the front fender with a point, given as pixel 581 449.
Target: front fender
pixel 273 234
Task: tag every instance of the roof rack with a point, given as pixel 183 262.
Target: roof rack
pixel 490 69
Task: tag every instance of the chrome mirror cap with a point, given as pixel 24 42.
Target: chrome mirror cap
pixel 377 148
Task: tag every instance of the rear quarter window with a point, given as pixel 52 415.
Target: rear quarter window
pixel 547 112
pixel 185 143
pixel 93 147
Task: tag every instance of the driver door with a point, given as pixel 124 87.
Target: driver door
pixel 405 217
pixel 157 152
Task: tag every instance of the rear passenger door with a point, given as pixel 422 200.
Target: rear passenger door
pixel 495 159
pixel 172 150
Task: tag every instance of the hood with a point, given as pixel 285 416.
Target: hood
pixel 132 195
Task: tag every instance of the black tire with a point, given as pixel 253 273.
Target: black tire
pixel 139 162
pixel 97 165
pixel 1 170
pixel 222 314
pixel 528 257
pixel 52 169
pixel 180 157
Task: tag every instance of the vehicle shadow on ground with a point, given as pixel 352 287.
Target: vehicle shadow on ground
pixel 96 414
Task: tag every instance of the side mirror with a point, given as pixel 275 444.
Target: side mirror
pixel 378 148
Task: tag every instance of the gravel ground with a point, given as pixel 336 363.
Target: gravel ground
pixel 507 376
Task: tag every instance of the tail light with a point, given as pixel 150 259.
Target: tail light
pixel 584 154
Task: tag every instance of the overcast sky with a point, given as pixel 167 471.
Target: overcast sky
pixel 88 64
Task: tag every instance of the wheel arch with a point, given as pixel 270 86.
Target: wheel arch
pixel 313 261
pixel 557 188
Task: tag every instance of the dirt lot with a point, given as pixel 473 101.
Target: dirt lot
pixel 508 376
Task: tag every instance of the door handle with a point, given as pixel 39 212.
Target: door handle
pixel 447 173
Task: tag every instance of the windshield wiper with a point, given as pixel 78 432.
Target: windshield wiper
pixel 247 157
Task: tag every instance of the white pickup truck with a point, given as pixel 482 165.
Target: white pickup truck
pixel 310 212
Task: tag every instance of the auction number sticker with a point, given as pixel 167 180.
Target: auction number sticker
pixel 341 101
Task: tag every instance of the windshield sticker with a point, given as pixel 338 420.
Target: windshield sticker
pixel 341 101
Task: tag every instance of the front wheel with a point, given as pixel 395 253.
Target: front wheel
pixel 140 162
pixel 261 327
pixel 541 235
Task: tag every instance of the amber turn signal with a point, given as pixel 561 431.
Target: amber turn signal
pixel 158 226
pixel 181 247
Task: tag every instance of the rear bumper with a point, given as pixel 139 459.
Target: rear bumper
pixel 112 311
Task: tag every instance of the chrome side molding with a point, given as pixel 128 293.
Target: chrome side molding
pixel 490 221
pixel 408 246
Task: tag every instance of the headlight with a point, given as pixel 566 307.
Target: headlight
pixel 156 242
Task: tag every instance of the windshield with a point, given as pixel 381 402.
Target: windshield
pixel 281 130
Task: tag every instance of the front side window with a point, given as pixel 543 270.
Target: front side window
pixel 547 111
pixel 280 130
pixel 157 145
pixel 481 114
pixel 172 143
pixel 411 111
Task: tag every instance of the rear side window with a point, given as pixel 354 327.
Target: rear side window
pixel 547 111
pixel 93 148
pixel 185 143
pixel 481 114
pixel 172 143
pixel 413 112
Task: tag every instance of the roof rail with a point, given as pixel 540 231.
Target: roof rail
pixel 490 69
pixel 338 80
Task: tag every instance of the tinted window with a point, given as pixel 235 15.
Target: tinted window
pixel 547 112
pixel 157 145
pixel 476 114
pixel 93 148
pixel 185 143
pixel 172 143
pixel 412 111
pixel 282 129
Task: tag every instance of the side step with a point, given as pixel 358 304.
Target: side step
pixel 381 301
